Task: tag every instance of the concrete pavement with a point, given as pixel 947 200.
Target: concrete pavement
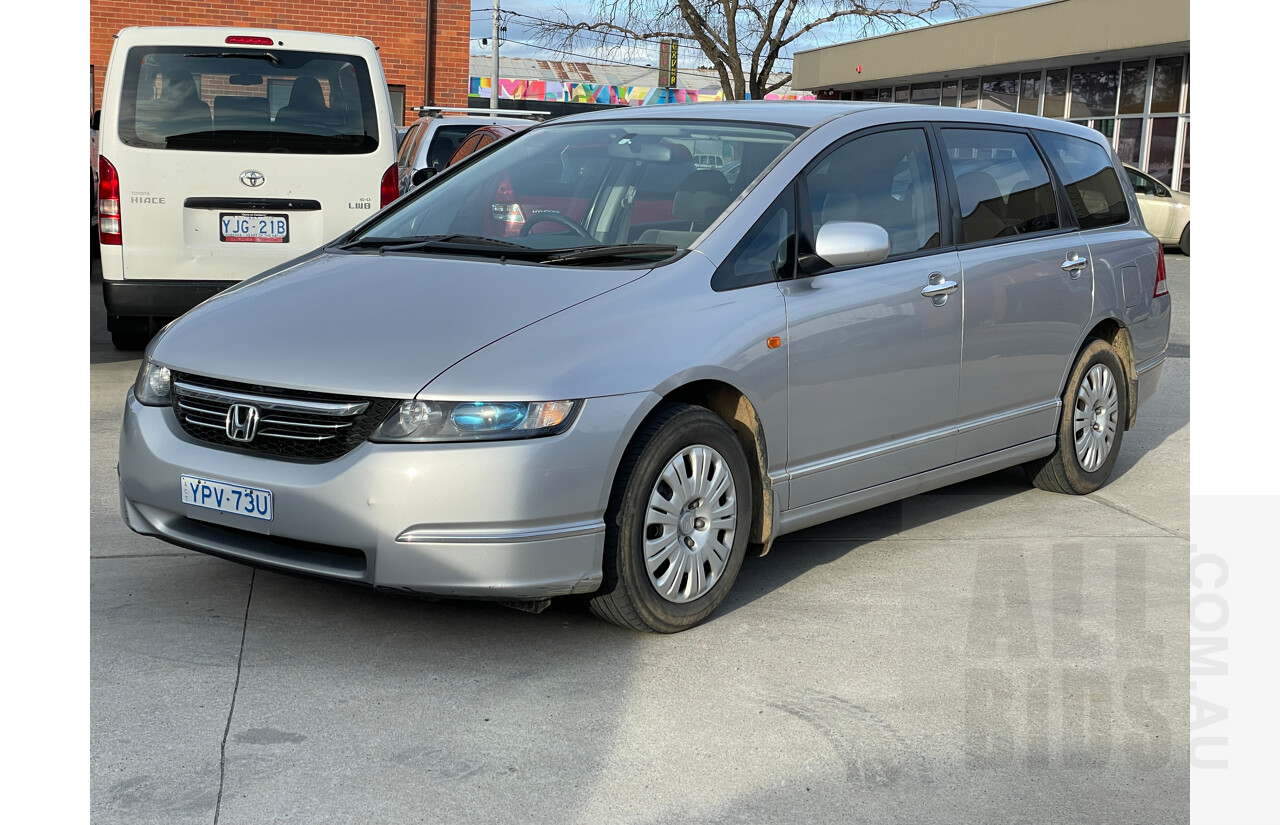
pixel 986 653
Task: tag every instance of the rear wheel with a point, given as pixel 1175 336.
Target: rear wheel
pixel 1095 407
pixel 129 333
pixel 677 523
pixel 1185 243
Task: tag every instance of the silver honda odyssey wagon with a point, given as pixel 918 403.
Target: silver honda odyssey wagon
pixel 589 362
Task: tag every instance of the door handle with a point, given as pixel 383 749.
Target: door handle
pixel 939 288
pixel 1074 264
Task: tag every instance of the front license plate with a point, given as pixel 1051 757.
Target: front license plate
pixel 253 502
pixel 235 227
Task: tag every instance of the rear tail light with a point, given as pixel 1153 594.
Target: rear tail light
pixel 249 40
pixel 1162 285
pixel 390 186
pixel 108 203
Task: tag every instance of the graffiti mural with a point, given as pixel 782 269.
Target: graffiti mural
pixel 604 93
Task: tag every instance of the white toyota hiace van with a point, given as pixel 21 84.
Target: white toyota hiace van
pixel 224 152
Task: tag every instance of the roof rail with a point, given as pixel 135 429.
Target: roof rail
pixel 432 111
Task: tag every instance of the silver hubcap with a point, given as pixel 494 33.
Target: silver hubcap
pixel 1096 412
pixel 690 523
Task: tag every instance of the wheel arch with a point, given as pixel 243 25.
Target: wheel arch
pixel 1116 334
pixel 740 414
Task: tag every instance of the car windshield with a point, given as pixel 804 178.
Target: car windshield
pixel 222 99
pixel 628 188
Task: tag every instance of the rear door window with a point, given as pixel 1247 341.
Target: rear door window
pixel 1002 183
pixel 1090 178
pixel 247 100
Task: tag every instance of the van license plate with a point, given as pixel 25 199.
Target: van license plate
pixel 226 498
pixel 236 227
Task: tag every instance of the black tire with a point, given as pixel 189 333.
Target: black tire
pixel 1063 471
pixel 130 333
pixel 628 595
pixel 1184 243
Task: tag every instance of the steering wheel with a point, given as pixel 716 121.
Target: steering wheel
pixel 555 217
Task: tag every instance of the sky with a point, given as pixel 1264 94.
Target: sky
pixel 519 41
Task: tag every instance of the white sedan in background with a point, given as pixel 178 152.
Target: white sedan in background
pixel 1166 213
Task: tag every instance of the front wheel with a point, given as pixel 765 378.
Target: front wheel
pixel 1184 243
pixel 677 523
pixel 1095 407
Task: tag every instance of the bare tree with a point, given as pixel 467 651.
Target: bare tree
pixel 743 39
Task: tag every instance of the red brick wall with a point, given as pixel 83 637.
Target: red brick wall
pixel 397 27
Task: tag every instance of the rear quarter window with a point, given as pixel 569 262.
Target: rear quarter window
pixel 1090 178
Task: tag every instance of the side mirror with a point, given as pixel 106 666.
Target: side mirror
pixel 422 176
pixel 849 243
pixel 95 120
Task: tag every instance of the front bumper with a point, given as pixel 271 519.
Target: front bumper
pixel 509 520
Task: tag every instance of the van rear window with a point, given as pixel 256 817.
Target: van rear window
pixel 218 99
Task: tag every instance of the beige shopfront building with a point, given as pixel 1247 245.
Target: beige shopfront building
pixel 1120 66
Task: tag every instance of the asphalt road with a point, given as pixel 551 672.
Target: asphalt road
pixel 988 653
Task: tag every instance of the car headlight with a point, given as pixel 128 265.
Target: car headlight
pixel 154 384
pixel 420 421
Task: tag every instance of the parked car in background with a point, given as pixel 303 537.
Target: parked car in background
pixel 432 139
pixel 578 364
pixel 94 248
pixel 226 151
pixel 1166 212
pixel 484 137
pixel 93 176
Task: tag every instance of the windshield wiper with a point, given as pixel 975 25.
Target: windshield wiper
pixel 431 241
pixel 454 243
pixel 612 252
pixel 275 61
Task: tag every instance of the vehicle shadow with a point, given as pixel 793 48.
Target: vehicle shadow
pixel 797 554
pixel 101 350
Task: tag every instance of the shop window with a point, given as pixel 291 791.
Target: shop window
pixel 1055 93
pixel 1093 90
pixel 1133 88
pixel 1129 145
pixel 926 94
pixel 950 92
pixel 1166 87
pixel 1185 186
pixel 1000 92
pixel 1160 155
pixel 1029 94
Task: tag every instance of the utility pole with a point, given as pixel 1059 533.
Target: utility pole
pixel 493 91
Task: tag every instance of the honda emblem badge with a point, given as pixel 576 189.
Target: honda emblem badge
pixel 242 422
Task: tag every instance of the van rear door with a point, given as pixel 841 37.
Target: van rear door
pixel 235 158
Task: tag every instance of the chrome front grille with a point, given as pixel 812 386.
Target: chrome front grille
pixel 288 423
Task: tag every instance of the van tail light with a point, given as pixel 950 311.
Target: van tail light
pixel 108 203
pixel 1162 285
pixel 249 40
pixel 390 186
